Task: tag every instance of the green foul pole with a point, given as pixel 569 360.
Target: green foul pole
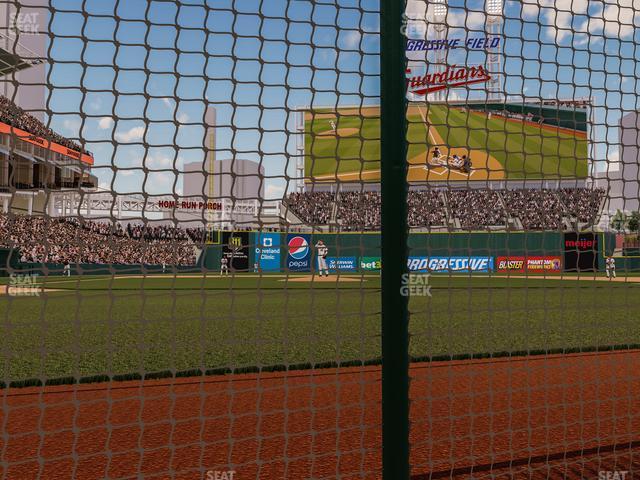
pixel 395 312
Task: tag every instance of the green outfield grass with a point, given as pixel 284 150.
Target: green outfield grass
pixel 101 325
pixel 524 151
pixel 326 155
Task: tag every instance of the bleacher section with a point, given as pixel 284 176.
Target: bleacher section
pixel 472 209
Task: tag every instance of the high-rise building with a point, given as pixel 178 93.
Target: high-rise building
pixel 23 34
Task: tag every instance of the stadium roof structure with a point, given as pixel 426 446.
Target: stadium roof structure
pixel 14 56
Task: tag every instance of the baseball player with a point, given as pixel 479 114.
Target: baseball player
pixel 611 267
pixel 323 252
pixel 224 266
pixel 333 126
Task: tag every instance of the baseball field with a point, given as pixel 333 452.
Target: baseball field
pixel 500 147
pixel 85 327
pixel 279 376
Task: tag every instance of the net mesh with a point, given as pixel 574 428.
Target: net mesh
pixel 190 239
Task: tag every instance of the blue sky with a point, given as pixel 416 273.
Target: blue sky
pixel 257 62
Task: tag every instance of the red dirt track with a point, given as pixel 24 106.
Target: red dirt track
pixel 558 416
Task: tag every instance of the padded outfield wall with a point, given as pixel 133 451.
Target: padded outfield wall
pixel 356 251
pixel 360 252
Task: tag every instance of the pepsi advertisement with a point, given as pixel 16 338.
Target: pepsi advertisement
pixel 268 252
pixel 298 252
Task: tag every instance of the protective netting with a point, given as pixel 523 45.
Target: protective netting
pixel 191 229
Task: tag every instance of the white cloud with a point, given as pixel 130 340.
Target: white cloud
pixel 158 162
pixel 168 102
pixel 183 118
pixel 135 133
pixel 105 123
pixel 561 18
pixel 72 125
pixel 352 39
pixel 458 20
pixel 274 192
pixel 96 104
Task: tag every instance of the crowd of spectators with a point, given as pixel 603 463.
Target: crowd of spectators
pixel 536 209
pixel 583 204
pixel 313 208
pixel 13 115
pixel 476 209
pixel 426 208
pixel 359 211
pixel 56 240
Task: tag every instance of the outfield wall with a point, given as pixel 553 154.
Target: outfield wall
pixel 360 252
pixel 356 249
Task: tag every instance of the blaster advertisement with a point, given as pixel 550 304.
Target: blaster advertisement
pixel 516 264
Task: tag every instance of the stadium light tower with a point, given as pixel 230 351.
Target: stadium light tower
pixel 439 20
pixel 494 23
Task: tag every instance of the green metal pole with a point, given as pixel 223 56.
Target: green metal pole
pixel 395 311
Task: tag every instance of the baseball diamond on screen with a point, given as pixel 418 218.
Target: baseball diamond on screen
pixel 453 141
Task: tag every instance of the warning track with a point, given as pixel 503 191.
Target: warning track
pixel 576 413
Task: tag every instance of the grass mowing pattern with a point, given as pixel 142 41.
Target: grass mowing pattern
pixel 328 154
pixel 524 151
pixel 198 325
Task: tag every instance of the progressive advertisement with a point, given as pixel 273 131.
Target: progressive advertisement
pixel 450 264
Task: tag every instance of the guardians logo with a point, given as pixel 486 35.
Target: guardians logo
pixel 452 77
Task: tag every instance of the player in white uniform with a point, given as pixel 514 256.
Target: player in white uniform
pixel 610 263
pixel 224 266
pixel 333 126
pixel 323 252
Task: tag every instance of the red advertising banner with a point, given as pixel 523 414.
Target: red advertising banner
pixel 529 264
pixel 41 142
